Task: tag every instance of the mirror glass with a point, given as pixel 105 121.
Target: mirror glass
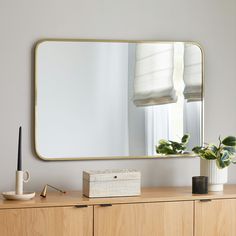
pixel 107 99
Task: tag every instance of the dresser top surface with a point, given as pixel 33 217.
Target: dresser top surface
pixel 153 194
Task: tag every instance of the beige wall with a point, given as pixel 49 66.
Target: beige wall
pixel 212 23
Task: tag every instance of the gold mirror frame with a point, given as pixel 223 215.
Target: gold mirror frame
pixel 113 157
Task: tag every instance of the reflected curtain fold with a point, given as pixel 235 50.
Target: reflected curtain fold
pixel 153 83
pixel 192 73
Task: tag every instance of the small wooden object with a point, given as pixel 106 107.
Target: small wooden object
pixel 111 183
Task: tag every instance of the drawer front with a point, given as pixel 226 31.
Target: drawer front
pixel 152 219
pixel 53 221
pixel 215 217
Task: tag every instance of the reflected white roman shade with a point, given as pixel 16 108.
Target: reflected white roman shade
pixel 153 83
pixel 192 73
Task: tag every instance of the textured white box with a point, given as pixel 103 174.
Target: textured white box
pixel 112 183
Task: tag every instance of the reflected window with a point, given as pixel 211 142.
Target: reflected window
pixel 168 84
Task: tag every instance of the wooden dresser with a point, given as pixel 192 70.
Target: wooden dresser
pixel 169 211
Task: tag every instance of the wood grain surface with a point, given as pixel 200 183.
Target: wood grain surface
pixel 158 194
pixel 146 219
pixel 56 221
pixel 215 218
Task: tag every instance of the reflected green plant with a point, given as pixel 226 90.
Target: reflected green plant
pixel 172 147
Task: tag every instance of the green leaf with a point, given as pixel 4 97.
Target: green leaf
pixel 227 163
pixel 160 146
pixel 220 164
pixel 224 160
pixel 167 150
pixel 164 149
pixel 231 150
pixel 209 154
pixel 225 156
pixel 185 138
pixel 197 149
pixel 229 141
pixel 176 145
pixel 213 148
pixel 163 141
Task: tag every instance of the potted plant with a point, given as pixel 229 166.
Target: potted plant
pixel 214 161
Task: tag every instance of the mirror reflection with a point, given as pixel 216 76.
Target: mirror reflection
pixel 116 99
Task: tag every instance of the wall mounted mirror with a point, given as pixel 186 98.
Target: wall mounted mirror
pixel 115 99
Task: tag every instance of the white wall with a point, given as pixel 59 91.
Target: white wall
pixel 22 23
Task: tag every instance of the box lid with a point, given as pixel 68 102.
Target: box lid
pixel 109 175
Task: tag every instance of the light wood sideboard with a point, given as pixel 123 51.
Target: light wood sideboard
pixel 165 211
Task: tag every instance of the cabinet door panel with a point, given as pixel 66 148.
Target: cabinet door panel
pixel 54 221
pixel 215 218
pixel 144 219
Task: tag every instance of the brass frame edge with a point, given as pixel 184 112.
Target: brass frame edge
pixel 181 156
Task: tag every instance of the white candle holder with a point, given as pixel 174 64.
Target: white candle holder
pixel 20 180
pixel 19 193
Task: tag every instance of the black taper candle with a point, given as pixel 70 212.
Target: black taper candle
pixel 19 161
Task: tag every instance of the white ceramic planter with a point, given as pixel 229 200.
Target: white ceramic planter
pixel 216 177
